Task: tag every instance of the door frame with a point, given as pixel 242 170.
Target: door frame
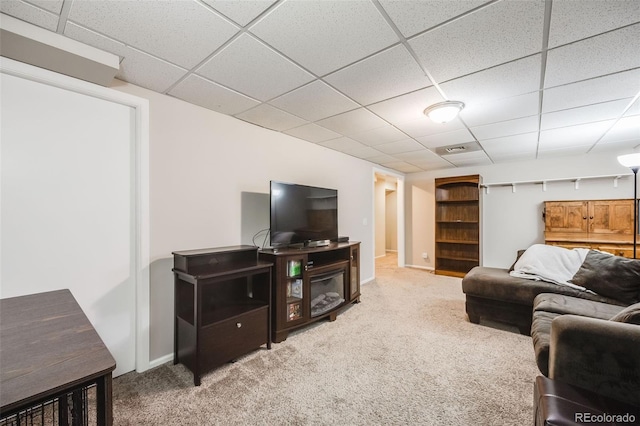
pixel 140 188
pixel 400 212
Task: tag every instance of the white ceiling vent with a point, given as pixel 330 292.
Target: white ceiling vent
pixel 45 49
pixel 458 148
pixel 454 149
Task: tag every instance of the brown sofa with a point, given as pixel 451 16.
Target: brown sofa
pixel 492 294
pixel 589 338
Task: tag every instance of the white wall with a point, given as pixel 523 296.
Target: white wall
pixel 511 221
pixel 200 164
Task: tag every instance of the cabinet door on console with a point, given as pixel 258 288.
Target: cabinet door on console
pixel 292 292
pixel 354 273
pixel 611 217
pixel 566 216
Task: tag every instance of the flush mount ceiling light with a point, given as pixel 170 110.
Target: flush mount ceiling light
pixel 444 112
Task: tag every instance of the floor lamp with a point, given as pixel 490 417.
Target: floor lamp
pixel 633 162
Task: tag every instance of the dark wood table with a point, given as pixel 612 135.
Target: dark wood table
pixel 48 350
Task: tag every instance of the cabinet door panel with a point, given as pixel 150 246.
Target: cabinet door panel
pixel 611 217
pixel 566 216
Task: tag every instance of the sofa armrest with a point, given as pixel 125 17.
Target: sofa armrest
pixel 599 355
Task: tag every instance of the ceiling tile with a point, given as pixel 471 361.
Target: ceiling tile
pixel 626 129
pixel 425 127
pixel 272 118
pixel 353 122
pixel 476 114
pixel 634 109
pixel 314 102
pixel 582 115
pixel 382 76
pixel 511 145
pixel 510 158
pixel 208 94
pixel 507 128
pixel 515 78
pixel 29 13
pixel 407 107
pixel 612 52
pixel 381 159
pixel 405 145
pixel 573 136
pixel 414 16
pixel 432 165
pixel 136 67
pixel 366 152
pixel 422 155
pixel 343 144
pixel 602 89
pixel 572 151
pixel 379 135
pixel 160 28
pixel 53 6
pixel 241 12
pixel 312 133
pixel 575 20
pixel 490 36
pixel 323 36
pixel 401 166
pixel 265 73
pixel 443 139
pixel 475 158
pixel 619 147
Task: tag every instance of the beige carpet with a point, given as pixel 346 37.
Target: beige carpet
pixel 405 355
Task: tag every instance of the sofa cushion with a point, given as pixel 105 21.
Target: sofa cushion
pixel 611 276
pixel 548 306
pixel 630 314
pixel 561 304
pixel 541 336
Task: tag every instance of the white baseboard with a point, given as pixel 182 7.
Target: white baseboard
pixel 159 361
pixel 428 268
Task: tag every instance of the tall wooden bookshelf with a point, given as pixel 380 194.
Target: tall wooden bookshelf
pixel 457 225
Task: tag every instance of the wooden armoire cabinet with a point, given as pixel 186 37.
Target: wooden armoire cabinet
pixel 457 225
pixel 605 225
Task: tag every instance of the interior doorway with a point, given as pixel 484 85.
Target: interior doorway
pixel 388 215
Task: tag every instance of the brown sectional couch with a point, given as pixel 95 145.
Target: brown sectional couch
pixel 493 294
pixel 580 338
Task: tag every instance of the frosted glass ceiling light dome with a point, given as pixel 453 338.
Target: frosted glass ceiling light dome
pixel 444 112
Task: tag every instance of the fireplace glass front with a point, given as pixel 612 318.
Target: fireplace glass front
pixel 327 292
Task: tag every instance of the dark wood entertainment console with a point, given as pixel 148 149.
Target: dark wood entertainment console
pixel 310 284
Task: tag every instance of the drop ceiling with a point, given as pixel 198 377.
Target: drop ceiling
pixel 539 78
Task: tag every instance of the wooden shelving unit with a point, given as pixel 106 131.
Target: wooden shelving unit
pixel 457 224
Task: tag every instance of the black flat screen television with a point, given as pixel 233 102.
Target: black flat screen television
pixel 302 214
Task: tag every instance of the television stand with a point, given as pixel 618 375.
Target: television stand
pixel 311 284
